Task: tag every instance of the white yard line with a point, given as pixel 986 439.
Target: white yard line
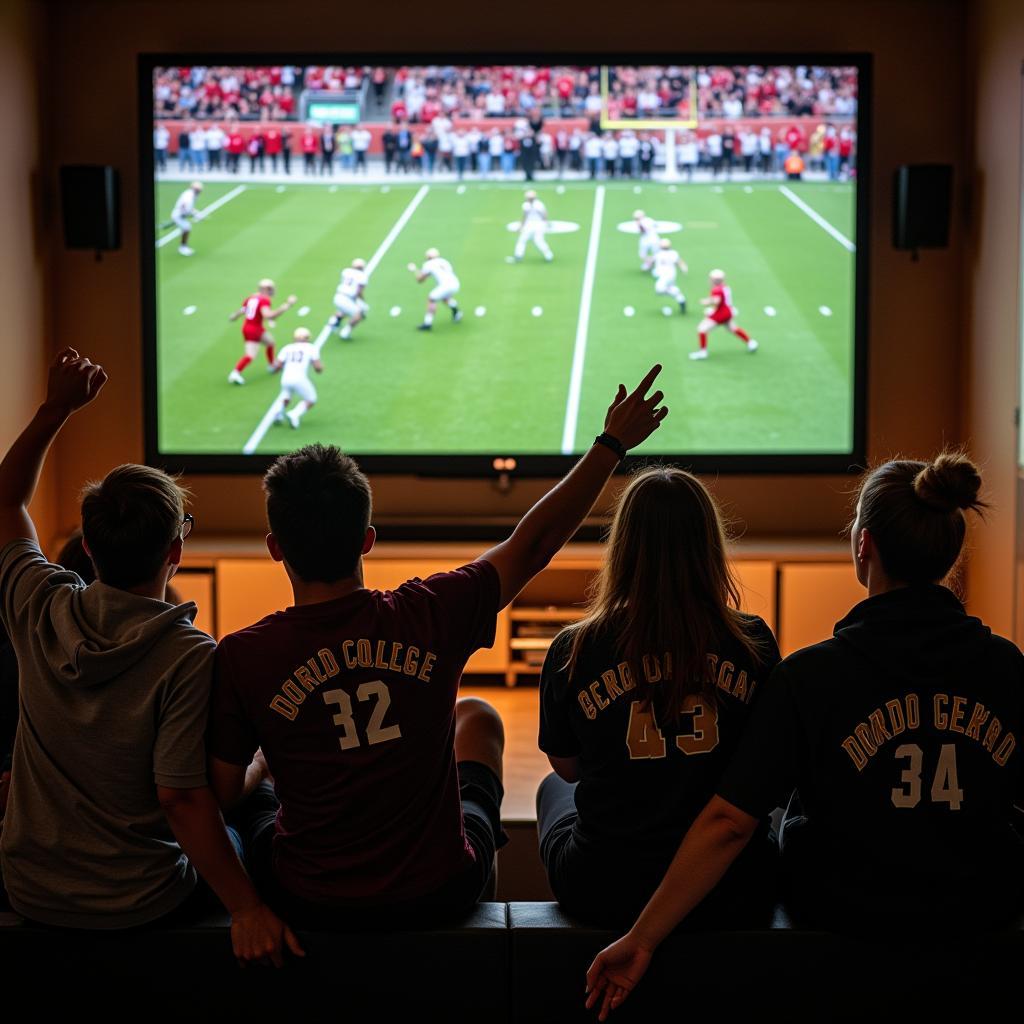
pixel 277 404
pixel 203 213
pixel 817 218
pixel 397 229
pixel 325 332
pixel 572 404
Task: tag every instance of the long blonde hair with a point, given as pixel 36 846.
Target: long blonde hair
pixel 666 589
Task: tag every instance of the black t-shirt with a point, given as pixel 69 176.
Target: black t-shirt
pixel 643 782
pixel 901 737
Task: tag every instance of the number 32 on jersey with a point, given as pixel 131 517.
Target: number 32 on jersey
pixel 645 740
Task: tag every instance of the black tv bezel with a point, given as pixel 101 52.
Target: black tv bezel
pixel 463 466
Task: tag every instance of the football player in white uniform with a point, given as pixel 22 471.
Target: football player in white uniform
pixel 649 239
pixel 293 362
pixel 183 213
pixel 351 308
pixel 446 286
pixel 533 227
pixel 666 263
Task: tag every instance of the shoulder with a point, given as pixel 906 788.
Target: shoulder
pixel 475 577
pixel 194 647
pixel 809 662
pixel 1006 650
pixel 22 560
pixel 257 636
pixel 756 628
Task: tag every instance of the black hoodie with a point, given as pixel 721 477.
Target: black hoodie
pixel 901 737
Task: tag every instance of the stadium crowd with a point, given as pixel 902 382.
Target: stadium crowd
pixel 526 147
pixel 421 94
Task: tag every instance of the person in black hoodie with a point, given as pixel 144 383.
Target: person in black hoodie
pixel 899 735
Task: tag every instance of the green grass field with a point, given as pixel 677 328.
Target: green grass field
pixel 500 381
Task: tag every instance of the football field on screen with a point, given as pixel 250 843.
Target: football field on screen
pixel 503 381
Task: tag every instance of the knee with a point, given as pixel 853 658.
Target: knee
pixel 477 715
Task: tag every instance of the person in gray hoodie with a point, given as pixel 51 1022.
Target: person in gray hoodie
pixel 110 821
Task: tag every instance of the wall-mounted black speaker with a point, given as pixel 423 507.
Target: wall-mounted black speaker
pixel 90 199
pixel 922 198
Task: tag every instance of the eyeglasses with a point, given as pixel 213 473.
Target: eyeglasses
pixel 186 525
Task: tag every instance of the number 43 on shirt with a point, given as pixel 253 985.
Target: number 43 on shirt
pixel 645 740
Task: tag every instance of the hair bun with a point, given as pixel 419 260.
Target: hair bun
pixel 952 481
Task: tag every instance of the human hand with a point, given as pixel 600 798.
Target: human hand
pixel 258 935
pixel 615 972
pixel 292 300
pixel 633 417
pixel 259 763
pixel 73 381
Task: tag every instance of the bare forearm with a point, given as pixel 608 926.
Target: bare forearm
pixel 199 829
pixel 20 469
pixel 711 845
pixel 557 516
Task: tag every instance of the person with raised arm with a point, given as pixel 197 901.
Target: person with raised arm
pixel 898 739
pixel 386 799
pixel 110 821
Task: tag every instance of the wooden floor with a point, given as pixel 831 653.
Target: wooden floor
pixel 525 765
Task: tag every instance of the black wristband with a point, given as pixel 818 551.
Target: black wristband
pixel 611 442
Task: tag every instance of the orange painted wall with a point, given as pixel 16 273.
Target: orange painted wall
pixel 919 116
pixel 22 254
pixel 994 274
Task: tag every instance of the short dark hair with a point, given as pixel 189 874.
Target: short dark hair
pixel 915 513
pixel 318 508
pixel 129 521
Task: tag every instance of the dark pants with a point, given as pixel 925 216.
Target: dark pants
pixel 826 883
pixel 481 793
pixel 584 884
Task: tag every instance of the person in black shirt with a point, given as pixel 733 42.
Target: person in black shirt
pixel 403 147
pixel 286 150
pixel 900 736
pixel 646 154
pixel 642 706
pixel 528 154
pixel 728 151
pixel 388 142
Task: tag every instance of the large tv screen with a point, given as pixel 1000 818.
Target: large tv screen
pixel 444 266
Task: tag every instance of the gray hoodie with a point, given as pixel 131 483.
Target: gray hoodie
pixel 113 696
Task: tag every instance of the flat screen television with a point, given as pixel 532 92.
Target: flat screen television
pixel 445 265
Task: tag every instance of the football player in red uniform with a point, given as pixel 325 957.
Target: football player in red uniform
pixel 257 311
pixel 720 313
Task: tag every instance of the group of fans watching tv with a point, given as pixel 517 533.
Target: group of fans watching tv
pixel 355 785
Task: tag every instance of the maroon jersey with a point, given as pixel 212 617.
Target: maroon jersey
pixel 353 704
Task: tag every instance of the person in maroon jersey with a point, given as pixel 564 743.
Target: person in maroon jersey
pixel 389 786
pixel 256 309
